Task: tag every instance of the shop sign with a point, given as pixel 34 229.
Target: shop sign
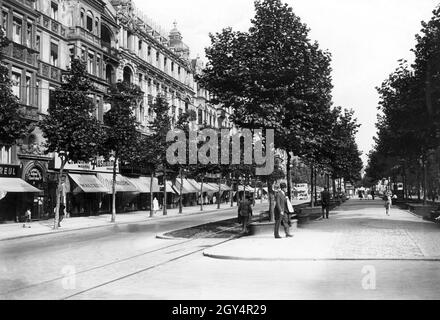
pixel 99 165
pixel 34 175
pixel 9 171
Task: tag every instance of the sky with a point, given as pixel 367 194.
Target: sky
pixel 365 37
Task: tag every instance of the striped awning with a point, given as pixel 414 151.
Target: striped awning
pixel 122 184
pixel 187 187
pixel 87 183
pixel 143 184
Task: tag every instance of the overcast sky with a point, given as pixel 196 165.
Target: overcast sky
pixel 365 38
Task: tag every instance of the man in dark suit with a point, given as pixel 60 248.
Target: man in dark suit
pixel 325 202
pixel 281 210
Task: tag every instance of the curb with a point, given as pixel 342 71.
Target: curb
pixel 162 236
pixel 53 232
pixel 230 257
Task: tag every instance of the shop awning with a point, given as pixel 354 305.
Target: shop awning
pixel 170 188
pixel 16 185
pixel 122 184
pixel 187 187
pixel 197 185
pixel 212 187
pixel 143 184
pixel 88 183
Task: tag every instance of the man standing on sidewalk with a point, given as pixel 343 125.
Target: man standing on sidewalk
pixel 325 202
pixel 281 210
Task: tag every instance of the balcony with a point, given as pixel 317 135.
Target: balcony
pixel 29 112
pixel 52 25
pixel 22 53
pixel 107 48
pixel 50 71
pixel 81 33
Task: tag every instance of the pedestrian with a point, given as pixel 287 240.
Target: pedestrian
pixel 214 200
pixel 61 216
pixel 388 202
pixel 245 213
pixel 373 194
pixel 281 210
pixel 155 205
pixel 27 217
pixel 325 203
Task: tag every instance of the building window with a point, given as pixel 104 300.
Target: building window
pixel 16 27
pixel 37 94
pixel 54 11
pixel 37 42
pixel 54 54
pixel 5 21
pixel 51 98
pixel 157 56
pixel 90 62
pixel 16 82
pixel 140 79
pixel 178 70
pixel 140 45
pixel 29 34
pixel 165 60
pixel 172 66
pixel 98 65
pixel 89 25
pixel 5 155
pixel 149 51
pixel 28 89
pixel 200 116
pixel 97 26
pixel 83 54
pixel 82 18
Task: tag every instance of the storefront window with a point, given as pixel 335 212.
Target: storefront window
pixel 5 155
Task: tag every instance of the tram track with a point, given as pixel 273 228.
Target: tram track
pixel 158 257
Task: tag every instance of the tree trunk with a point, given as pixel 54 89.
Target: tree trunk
pixel 271 202
pixel 164 192
pixel 334 187
pixel 311 186
pixel 289 176
pixel 114 190
pixel 151 194
pixel 180 191
pixel 58 195
pixel 219 192
pixel 424 182
pixel 316 186
pixel 201 195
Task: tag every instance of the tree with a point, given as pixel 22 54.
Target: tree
pixel 121 135
pixel 271 76
pixel 157 143
pixel 12 125
pixel 70 127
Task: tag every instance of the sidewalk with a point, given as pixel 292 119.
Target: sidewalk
pixel 11 231
pixel 357 230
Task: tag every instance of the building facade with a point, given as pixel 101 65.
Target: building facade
pixel 117 42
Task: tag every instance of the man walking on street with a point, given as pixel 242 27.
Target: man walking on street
pixel 325 202
pixel 281 210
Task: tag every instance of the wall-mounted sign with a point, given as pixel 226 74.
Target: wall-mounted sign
pixel 99 165
pixel 34 175
pixel 9 171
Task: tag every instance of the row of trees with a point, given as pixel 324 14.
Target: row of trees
pixel 274 77
pixel 407 142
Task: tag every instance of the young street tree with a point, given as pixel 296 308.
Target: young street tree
pixel 121 135
pixel 12 125
pixel 70 127
pixel 157 144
